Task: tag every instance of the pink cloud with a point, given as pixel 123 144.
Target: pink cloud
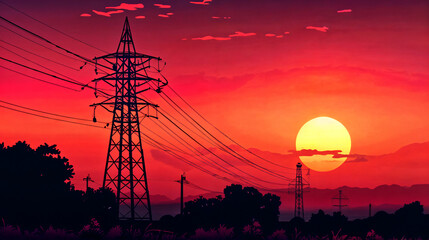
pixel 162 5
pixel 204 2
pixel 270 35
pixel 344 11
pixel 126 6
pixel 242 34
pixel 85 15
pixel 184 39
pixel 140 17
pixel 170 14
pixel 107 14
pixel 163 15
pixel 287 32
pixel 321 29
pixel 226 17
pixel 212 38
pixel 279 36
pixel 215 17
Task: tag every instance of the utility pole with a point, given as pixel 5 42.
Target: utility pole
pixel 340 199
pixel 87 180
pixel 182 179
pixel 125 170
pixel 370 210
pixel 298 185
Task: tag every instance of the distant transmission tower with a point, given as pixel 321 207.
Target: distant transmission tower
pixel 298 185
pixel 340 199
pixel 125 170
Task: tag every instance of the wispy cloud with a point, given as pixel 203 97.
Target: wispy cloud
pixel 107 14
pixel 127 6
pixel 204 2
pixel 85 15
pixel 335 154
pixel 216 17
pixel 344 11
pixel 170 14
pixel 140 17
pixel 241 34
pixel 321 29
pixel 162 5
pixel 205 38
pixel 274 35
pixel 312 152
pixel 163 15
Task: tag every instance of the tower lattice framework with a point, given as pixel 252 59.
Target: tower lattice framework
pixel 299 201
pixel 125 170
pixel 298 188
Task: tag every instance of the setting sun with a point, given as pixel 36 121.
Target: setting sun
pixel 323 134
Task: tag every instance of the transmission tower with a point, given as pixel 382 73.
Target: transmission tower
pixel 340 199
pixel 298 185
pixel 125 170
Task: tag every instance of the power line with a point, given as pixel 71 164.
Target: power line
pixel 212 153
pixel 241 158
pixel 55 29
pixel 53 50
pixel 51 118
pixel 224 134
pixel 48 113
pixel 191 163
pixel 85 85
pixel 201 188
pixel 40 65
pixel 38 79
pixel 201 155
pixel 37 55
pixel 233 152
pixel 51 75
pixel 57 46
pixel 165 146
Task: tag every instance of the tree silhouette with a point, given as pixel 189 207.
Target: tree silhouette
pixel 240 207
pixel 36 189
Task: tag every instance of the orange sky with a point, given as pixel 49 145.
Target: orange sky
pixel 368 69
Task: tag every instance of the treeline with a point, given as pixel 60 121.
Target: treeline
pixel 36 190
pixel 408 222
pixel 36 193
pixel 245 209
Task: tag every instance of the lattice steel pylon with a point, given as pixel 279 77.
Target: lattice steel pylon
pixel 298 185
pixel 125 170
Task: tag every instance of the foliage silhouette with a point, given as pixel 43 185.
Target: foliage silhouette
pixel 36 190
pixel 240 207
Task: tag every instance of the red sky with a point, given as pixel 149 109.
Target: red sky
pixel 258 70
